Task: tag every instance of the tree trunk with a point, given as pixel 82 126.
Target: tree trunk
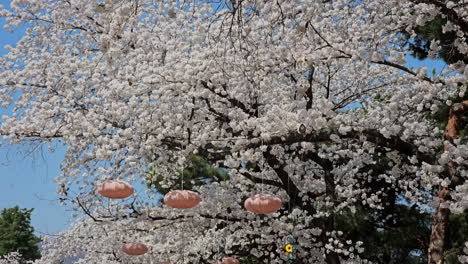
pixel 439 229
pixel 332 258
pixel 440 222
pixel 329 225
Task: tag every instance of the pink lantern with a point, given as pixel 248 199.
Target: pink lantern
pixel 182 199
pixel 227 260
pixel 263 204
pixel 134 249
pixel 115 189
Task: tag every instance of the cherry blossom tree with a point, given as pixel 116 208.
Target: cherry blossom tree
pixel 314 94
pixel 12 258
pixel 464 258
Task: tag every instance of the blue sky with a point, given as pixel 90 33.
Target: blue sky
pixel 27 181
pixel 437 65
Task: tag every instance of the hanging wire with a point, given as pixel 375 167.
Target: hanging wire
pixel 289 200
pixel 261 186
pixel 182 175
pixel 263 164
pixel 216 239
pixel 225 238
pixel 182 166
pixel 219 241
pixel 182 188
pixel 290 239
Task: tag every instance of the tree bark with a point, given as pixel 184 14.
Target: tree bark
pixel 440 227
pixel 332 258
pixel 329 225
pixel 440 222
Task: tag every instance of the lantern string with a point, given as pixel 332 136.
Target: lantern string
pixel 289 200
pixel 263 164
pixel 182 174
pixel 261 186
pixel 225 238
pixel 216 239
pixel 183 167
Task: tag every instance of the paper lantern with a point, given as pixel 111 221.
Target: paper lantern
pixel 182 199
pixel 115 189
pixel 134 249
pixel 263 204
pixel 227 260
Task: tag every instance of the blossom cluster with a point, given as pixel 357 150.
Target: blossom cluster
pixel 314 94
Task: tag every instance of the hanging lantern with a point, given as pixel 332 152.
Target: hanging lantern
pixel 263 204
pixel 227 260
pixel 115 189
pixel 134 249
pixel 182 199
